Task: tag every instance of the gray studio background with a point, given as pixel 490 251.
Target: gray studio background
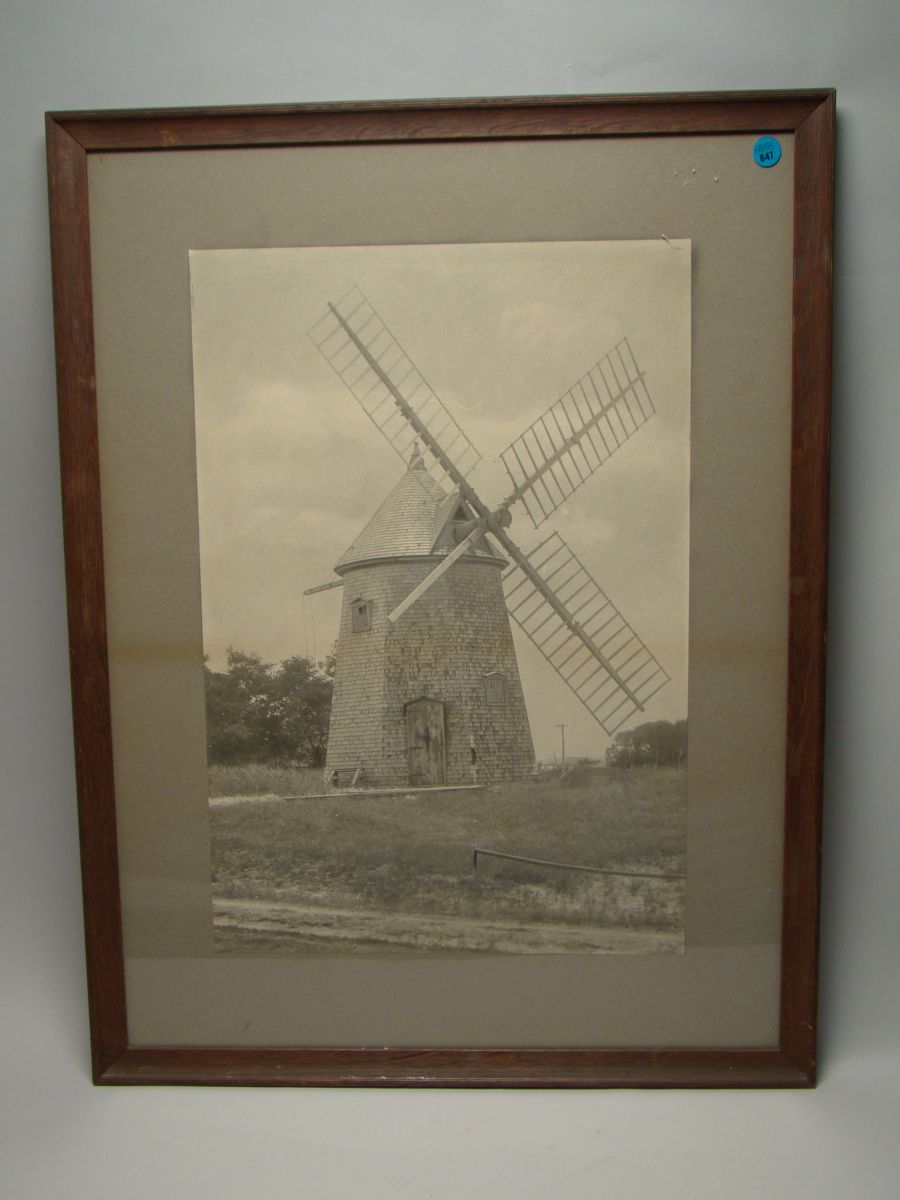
pixel 61 1137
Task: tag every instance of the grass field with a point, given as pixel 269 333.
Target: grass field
pixel 255 779
pixel 365 872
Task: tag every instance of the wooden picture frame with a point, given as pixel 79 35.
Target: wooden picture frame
pixel 74 141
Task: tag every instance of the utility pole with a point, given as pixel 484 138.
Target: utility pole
pixel 562 735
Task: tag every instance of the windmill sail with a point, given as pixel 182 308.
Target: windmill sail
pixel 570 619
pixel 576 435
pixel 389 387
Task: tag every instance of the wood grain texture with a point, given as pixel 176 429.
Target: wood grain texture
pixel 811 393
pixel 71 137
pixel 441 120
pixel 343 1067
pixel 83 540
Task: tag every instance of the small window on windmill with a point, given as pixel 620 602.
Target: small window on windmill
pixel 495 688
pixel 361 615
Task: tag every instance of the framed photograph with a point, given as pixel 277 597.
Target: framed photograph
pixel 445 498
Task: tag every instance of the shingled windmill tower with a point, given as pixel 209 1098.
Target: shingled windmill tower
pixel 434 697
pixel 427 689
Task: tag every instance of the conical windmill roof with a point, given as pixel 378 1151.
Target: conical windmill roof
pixel 408 523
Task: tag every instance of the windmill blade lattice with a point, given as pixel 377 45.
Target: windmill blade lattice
pixel 549 593
pixel 570 619
pixel 375 368
pixel 576 435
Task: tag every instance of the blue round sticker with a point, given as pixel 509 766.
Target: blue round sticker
pixel 766 151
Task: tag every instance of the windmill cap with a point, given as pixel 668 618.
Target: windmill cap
pixel 408 524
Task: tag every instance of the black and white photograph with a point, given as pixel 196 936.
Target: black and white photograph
pixel 443 497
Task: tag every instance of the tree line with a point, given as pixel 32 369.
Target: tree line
pixel 653 744
pixel 260 712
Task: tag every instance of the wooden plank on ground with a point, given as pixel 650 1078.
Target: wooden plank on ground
pixel 396 791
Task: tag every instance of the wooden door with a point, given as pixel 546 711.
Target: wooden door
pixel 425 743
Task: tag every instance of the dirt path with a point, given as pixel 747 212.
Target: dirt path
pixel 277 927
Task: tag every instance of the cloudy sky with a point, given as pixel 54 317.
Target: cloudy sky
pixel 290 469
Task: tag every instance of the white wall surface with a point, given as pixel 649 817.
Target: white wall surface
pixel 62 1138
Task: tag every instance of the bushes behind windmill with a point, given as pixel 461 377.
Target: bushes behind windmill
pixel 274 714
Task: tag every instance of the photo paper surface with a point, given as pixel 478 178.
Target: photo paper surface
pixel 444 532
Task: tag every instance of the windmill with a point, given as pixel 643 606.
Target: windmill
pixel 427 689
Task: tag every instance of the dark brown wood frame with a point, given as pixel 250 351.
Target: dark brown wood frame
pixel 71 138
